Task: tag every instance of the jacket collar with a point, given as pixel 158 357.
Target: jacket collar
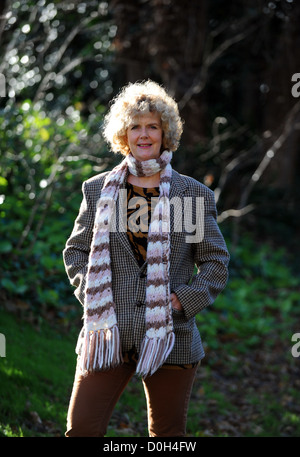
pixel 178 185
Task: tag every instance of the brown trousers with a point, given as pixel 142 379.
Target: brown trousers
pixel 94 397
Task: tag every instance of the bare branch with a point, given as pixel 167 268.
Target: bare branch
pixel 208 59
pixel 235 213
pixel 12 43
pixel 3 18
pixel 47 78
pixel 234 163
pixel 269 155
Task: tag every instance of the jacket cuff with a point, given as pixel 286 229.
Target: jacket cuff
pixel 189 299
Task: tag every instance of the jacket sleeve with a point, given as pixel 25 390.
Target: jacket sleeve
pixel 211 258
pixel 76 252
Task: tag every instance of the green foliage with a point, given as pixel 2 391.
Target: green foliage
pixel 58 53
pixel 42 166
pixel 56 60
pixel 259 301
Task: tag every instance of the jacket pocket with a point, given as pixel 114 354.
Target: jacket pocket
pixel 180 323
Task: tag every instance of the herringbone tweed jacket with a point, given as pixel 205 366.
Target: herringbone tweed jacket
pixel 195 291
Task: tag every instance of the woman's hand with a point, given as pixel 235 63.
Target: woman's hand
pixel 175 302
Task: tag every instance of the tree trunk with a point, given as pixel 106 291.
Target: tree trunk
pixel 164 40
pixel 284 168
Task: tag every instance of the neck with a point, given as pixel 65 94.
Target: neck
pixel 144 181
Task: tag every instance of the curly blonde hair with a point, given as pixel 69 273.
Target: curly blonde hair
pixel 138 98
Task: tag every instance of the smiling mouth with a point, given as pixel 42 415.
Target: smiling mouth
pixel 144 145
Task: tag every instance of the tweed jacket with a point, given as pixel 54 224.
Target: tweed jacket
pixel 195 290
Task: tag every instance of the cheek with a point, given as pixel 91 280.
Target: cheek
pixel 158 137
pixel 133 135
pixel 129 137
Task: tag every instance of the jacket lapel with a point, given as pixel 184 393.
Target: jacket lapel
pixel 121 221
pixel 177 189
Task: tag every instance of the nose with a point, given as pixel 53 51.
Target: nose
pixel 144 132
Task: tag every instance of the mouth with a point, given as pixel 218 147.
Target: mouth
pixel 144 145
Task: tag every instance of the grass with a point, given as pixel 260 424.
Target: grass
pixel 247 393
pixel 35 377
pixel 248 384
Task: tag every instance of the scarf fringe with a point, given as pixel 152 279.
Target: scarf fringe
pixel 101 350
pixel 154 352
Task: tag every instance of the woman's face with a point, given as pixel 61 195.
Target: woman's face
pixel 144 136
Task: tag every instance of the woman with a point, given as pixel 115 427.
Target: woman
pixel 140 231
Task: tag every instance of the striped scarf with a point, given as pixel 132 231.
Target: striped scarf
pixel 101 346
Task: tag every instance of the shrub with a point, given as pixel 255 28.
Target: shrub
pixel 44 161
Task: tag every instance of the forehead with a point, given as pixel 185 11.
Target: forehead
pixel 147 118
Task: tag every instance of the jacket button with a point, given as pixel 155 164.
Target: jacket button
pixel 139 304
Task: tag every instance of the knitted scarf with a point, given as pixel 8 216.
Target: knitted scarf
pixel 101 347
